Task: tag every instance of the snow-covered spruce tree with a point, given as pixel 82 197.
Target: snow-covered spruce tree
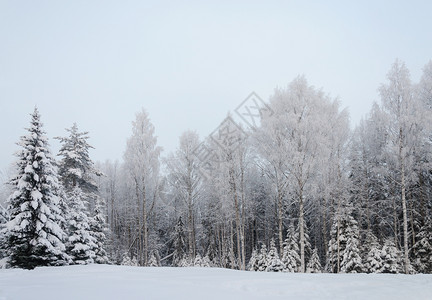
pixel 262 259
pixel 127 261
pixel 253 261
pixel 206 262
pixel 3 219
pixel 422 250
pixel 392 258
pixel 343 253
pixel 290 253
pixel 351 261
pixel 186 261
pixel 373 260
pixel 314 264
pixel 198 261
pixel 76 170
pixel 81 244
pixel 153 261
pixel 274 264
pixel 179 243
pixel 34 235
pixel 98 230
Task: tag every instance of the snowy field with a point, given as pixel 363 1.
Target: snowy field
pixel 120 282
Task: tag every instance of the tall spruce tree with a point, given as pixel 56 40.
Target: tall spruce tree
pixel 77 171
pixel 34 235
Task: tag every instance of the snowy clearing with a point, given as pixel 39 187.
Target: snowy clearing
pixel 120 282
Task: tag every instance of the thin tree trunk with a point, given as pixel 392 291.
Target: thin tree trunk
pixel 237 216
pixel 145 229
pixel 338 245
pixel 139 226
pixel 404 206
pixel 280 224
pixel 243 223
pixel 302 234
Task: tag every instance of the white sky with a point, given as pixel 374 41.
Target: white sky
pixel 190 62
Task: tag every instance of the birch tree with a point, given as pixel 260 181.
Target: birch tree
pixel 185 180
pixel 298 140
pixel 142 164
pixel 398 101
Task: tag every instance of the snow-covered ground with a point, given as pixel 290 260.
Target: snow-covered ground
pixel 120 282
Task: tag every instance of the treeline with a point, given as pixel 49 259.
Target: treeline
pixel 301 184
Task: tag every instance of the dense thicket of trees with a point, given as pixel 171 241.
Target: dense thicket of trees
pixel 301 192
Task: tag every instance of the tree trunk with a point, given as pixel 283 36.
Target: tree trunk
pixel 404 206
pixel 243 222
pixel 280 216
pixel 145 229
pixel 302 234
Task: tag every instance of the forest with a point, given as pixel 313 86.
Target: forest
pixel 299 192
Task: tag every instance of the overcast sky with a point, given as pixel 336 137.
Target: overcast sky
pixel 190 62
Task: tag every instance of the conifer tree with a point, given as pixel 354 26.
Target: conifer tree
pixel 262 259
pixel 343 254
pixel 34 235
pixel 373 260
pixel 186 261
pixel 274 264
pixel 392 258
pixel 76 170
pixel 3 219
pixel 422 250
pixel 253 261
pixel 98 229
pixel 291 251
pixel 314 264
pixel 153 261
pixel 81 245
pixel 351 261
pixel 198 261
pixel 179 243
pixel 127 261
pixel 206 263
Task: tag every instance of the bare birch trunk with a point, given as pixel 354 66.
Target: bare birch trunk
pixel 280 224
pixel 242 228
pixel 145 246
pixel 404 206
pixel 302 234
